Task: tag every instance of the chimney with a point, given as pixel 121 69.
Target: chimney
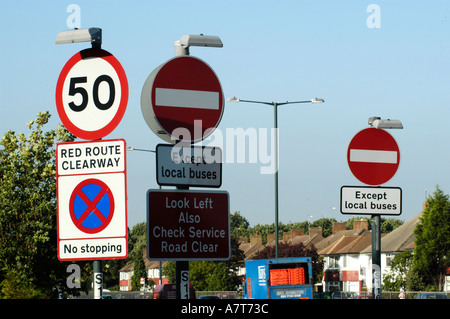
pixel 360 224
pixel 339 226
pixel 270 238
pixel 297 232
pixel 287 236
pixel 256 239
pixel 315 230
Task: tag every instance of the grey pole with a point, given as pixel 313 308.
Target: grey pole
pixel 376 257
pixel 275 108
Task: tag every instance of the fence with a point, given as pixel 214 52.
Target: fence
pixel 149 295
pixel 238 295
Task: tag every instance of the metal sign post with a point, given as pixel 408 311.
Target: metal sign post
pixel 373 157
pixel 376 257
pixel 98 279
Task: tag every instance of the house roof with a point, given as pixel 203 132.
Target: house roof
pixel 349 244
pixel 149 264
pixel 400 239
pixel 250 249
pixel 327 241
pixel 306 240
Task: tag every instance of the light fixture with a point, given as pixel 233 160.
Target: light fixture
pixel 377 122
pixel 93 35
pixel 186 41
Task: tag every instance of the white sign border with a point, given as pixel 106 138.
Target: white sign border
pixel 369 211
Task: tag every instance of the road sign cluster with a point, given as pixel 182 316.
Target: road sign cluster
pixel 182 102
pixel 91 99
pixel 373 157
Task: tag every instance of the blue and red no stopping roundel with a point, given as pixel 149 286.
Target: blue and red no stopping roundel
pixel 91 206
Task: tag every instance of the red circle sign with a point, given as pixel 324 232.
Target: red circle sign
pixel 91 94
pixel 182 100
pixel 373 156
pixel 91 206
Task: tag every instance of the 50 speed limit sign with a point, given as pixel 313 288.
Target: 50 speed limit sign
pixel 92 94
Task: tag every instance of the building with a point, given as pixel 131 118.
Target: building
pixel 348 255
pixel 153 269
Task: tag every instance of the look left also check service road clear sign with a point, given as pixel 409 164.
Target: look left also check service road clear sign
pixel 92 94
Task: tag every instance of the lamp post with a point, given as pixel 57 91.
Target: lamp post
pixel 130 148
pixel 275 109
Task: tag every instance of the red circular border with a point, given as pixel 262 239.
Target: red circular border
pixel 108 128
pixel 72 200
pixel 373 173
pixel 179 73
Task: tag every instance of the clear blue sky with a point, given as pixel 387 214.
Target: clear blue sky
pixel 273 51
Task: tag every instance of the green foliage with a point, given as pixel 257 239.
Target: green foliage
pixel 432 245
pixel 28 256
pixel 139 272
pixel 400 269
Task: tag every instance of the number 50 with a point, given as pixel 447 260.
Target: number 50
pixel 73 90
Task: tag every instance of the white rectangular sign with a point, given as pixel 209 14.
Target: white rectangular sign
pixel 90 249
pixel 78 158
pixel 188 165
pixel 371 200
pixel 91 200
pixel 187 98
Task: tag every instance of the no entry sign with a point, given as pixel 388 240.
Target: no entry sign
pixel 188 225
pixel 91 94
pixel 373 156
pixel 182 99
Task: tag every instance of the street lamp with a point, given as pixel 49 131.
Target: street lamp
pixel 186 41
pixel 275 107
pixel 93 35
pixel 130 148
pixel 377 122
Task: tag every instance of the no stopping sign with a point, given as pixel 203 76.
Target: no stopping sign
pixel 91 94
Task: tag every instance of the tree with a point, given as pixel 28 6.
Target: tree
pixel 28 252
pixel 432 245
pixel 212 275
pixel 398 274
pixel 139 272
pixel 238 225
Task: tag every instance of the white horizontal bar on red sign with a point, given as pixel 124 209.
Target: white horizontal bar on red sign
pixel 373 156
pixel 187 98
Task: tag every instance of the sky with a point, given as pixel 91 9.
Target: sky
pixel 364 58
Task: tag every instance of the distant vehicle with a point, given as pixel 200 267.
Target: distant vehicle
pixel 431 295
pixel 209 297
pixel 169 291
pixel 363 297
pixel 279 278
pixel 341 295
pixel 106 294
